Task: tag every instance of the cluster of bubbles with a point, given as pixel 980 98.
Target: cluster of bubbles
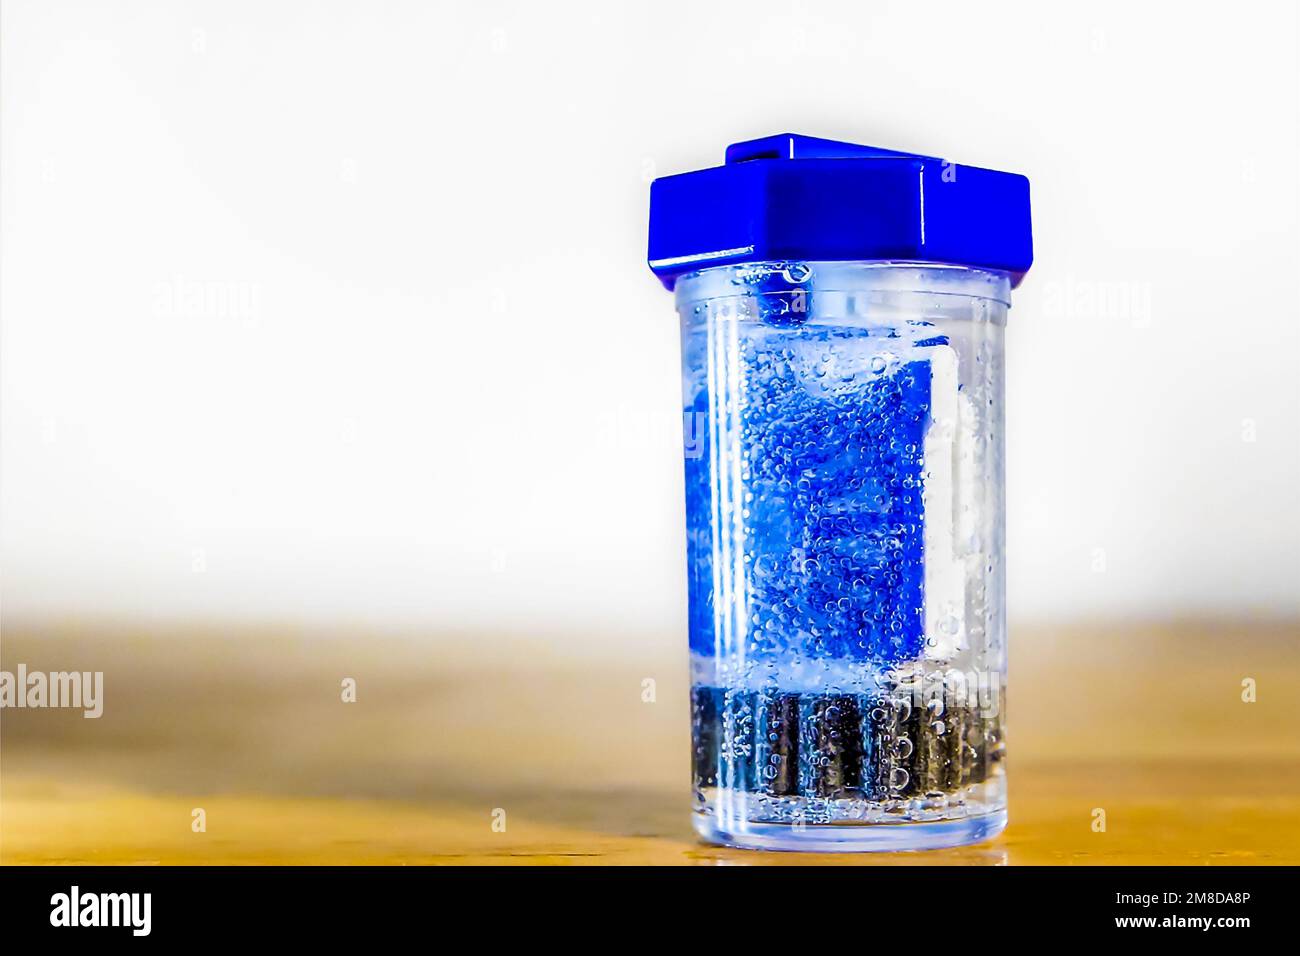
pixel 814 482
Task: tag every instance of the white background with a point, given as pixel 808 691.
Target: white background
pixel 338 312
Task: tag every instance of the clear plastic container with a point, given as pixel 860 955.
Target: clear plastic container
pixel 842 312
pixel 845 553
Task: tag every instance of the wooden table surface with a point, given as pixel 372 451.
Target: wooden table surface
pixel 1144 722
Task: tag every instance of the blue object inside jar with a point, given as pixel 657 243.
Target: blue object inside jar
pixel 831 482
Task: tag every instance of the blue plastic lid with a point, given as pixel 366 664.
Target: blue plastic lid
pixel 790 197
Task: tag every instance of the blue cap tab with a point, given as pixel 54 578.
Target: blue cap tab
pixel 791 197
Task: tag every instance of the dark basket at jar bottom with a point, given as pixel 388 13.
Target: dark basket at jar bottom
pixel 907 743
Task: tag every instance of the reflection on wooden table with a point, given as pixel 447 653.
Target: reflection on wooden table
pixel 573 766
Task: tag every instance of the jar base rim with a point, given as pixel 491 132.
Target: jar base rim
pixel 851 838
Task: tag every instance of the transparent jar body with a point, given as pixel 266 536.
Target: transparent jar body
pixel 845 549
